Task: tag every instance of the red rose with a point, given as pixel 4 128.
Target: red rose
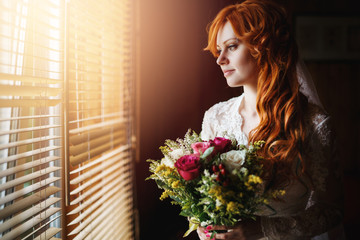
pixel 188 166
pixel 220 144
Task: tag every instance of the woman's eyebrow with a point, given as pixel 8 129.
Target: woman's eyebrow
pixel 230 39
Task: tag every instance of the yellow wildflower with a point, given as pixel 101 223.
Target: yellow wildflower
pixel 159 168
pixel 278 193
pixel 234 207
pixel 231 207
pixel 164 195
pixel 168 172
pixel 216 191
pixel 175 184
pixel 254 179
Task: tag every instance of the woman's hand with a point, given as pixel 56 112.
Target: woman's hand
pixel 249 230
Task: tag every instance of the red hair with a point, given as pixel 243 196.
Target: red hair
pixel 262 26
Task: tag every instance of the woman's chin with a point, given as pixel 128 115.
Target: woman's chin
pixel 233 84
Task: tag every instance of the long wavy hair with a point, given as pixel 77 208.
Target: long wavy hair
pixel 263 27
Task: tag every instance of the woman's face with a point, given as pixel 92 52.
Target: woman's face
pixel 237 64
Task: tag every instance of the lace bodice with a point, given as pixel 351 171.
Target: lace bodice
pixel 310 208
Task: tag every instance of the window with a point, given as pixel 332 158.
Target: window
pixel 99 119
pixel 66 119
pixel 31 78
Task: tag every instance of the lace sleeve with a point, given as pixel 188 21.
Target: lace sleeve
pixel 324 206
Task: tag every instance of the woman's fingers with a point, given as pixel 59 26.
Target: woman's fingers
pixel 231 234
pixel 215 228
pixel 205 233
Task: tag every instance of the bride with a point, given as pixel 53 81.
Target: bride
pixel 255 49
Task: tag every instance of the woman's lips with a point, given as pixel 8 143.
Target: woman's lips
pixel 228 72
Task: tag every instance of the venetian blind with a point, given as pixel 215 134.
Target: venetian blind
pixel 31 77
pixel 99 120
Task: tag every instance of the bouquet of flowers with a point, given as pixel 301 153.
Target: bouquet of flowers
pixel 215 182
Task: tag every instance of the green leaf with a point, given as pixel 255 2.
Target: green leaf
pixel 207 153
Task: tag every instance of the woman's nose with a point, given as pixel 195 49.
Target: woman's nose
pixel 222 59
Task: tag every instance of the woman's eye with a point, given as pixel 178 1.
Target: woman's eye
pixel 232 47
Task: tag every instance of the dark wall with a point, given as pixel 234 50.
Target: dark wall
pixel 179 81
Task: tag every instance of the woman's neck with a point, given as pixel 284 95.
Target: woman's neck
pixel 249 101
pixel 248 110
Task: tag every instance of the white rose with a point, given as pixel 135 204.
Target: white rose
pixel 233 159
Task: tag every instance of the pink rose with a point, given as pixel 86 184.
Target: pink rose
pixel 188 166
pixel 220 144
pixel 200 147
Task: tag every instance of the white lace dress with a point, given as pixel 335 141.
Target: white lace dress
pixel 312 207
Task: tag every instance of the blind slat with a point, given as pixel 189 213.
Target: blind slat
pixel 19 218
pixel 13 131
pixel 28 141
pixel 118 182
pixel 28 201
pixel 74 160
pixel 27 190
pixel 110 154
pixel 113 177
pixel 29 79
pixel 91 135
pixel 99 214
pixel 98 168
pixel 28 165
pixel 43 226
pixel 97 177
pixel 29 102
pixel 30 223
pixel 110 115
pixel 97 125
pixel 32 91
pixel 94 143
pixel 29 117
pixel 28 177
pixel 29 154
pixel 104 229
pixel 48 234
pixel 91 206
pixel 124 229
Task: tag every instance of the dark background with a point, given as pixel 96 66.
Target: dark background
pixel 178 82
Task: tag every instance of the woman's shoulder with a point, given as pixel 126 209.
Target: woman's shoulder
pixel 316 117
pixel 318 124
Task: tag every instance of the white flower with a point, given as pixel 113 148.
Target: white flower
pixel 177 153
pixel 173 156
pixel 233 159
pixel 205 223
pixel 168 162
